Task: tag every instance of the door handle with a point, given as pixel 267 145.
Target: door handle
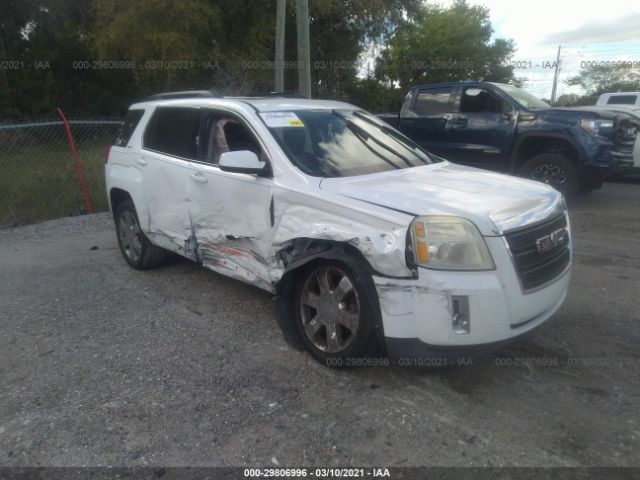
pixel 141 161
pixel 196 177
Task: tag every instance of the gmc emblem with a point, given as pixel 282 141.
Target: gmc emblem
pixel 552 240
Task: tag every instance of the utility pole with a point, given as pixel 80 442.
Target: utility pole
pixel 6 108
pixel 555 76
pixel 304 58
pixel 280 22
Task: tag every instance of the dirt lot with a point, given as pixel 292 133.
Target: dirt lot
pixel 104 365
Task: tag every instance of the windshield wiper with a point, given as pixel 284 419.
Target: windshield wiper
pixel 366 135
pixel 392 133
pixel 363 137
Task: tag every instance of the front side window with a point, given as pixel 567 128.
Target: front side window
pixel 338 143
pixel 226 133
pixel 174 131
pixel 477 100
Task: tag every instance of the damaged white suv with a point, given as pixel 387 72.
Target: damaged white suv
pixel 370 244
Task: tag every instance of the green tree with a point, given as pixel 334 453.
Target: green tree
pixel 445 44
pixel 339 31
pixel 162 40
pixel 163 45
pixel 236 38
pixel 48 37
pixel 602 79
pixel 573 100
pixel 372 95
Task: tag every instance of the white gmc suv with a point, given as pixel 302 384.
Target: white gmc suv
pixel 370 244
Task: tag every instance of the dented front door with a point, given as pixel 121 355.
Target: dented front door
pixel 231 222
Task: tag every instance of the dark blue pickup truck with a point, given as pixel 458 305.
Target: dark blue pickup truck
pixel 500 127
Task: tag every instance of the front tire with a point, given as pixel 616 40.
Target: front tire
pixel 335 313
pixel 135 247
pixel 555 170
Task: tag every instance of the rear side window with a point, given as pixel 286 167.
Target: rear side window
pixel 174 131
pixel 126 128
pixel 622 100
pixel 433 101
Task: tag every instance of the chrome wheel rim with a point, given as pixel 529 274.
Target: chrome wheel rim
pixel 550 173
pixel 129 235
pixel 330 309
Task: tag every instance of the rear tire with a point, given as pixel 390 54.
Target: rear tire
pixel 555 170
pixel 136 248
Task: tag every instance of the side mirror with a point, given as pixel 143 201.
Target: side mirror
pixel 242 161
pixel 473 92
pixel 507 110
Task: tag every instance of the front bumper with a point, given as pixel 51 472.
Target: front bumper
pixel 418 314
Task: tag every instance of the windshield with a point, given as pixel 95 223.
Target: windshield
pixel 523 98
pixel 341 143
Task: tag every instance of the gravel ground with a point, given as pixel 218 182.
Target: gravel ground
pixel 104 365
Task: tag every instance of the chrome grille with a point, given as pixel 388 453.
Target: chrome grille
pixel 537 266
pixel 623 143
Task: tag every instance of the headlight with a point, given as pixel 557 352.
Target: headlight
pixel 598 127
pixel 449 243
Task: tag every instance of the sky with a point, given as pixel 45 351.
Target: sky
pixel 586 30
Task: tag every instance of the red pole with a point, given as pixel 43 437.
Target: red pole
pixel 74 153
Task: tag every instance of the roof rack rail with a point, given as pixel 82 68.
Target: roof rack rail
pixel 283 94
pixel 185 94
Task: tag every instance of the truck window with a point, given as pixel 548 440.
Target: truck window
pixel 174 131
pixel 433 101
pixel 477 100
pixel 622 100
pixel 126 128
pixel 523 98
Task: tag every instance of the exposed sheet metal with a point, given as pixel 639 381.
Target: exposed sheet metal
pixel 381 242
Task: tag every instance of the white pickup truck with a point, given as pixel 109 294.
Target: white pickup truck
pixel 371 245
pixel 629 99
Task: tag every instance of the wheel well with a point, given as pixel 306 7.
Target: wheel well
pixel 117 196
pixel 301 251
pixel 533 146
pixel 298 255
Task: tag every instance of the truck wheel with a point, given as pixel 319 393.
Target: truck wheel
pixel 136 248
pixel 335 313
pixel 553 169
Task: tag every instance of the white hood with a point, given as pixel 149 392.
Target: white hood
pixel 494 202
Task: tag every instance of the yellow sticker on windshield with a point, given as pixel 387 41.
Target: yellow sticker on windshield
pixel 281 119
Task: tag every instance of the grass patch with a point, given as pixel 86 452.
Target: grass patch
pixel 39 182
pixel 39 179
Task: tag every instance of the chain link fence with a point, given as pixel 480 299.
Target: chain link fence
pixel 40 176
